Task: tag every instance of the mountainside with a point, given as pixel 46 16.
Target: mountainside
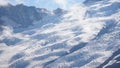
pixel 21 16
pixel 86 36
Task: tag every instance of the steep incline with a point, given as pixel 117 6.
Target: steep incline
pixel 88 36
pixel 21 16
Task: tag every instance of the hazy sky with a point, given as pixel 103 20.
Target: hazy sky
pixel 49 4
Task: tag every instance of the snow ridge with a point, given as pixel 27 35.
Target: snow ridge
pixel 82 39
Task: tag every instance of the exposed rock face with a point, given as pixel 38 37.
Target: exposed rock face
pixel 22 16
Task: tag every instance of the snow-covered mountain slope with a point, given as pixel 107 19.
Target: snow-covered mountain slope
pixel 21 16
pixel 88 36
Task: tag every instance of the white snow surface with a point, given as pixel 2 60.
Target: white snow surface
pixel 74 42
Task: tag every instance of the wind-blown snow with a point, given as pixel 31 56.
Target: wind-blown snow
pixel 3 2
pixel 82 39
